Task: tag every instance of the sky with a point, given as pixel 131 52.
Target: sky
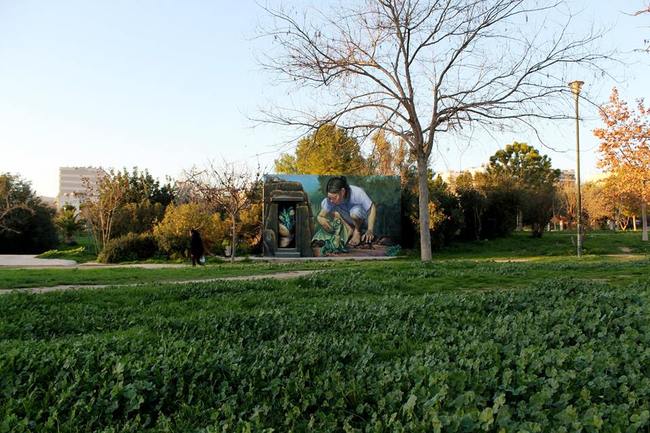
pixel 165 85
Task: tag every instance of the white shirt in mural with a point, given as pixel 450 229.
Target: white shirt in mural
pixel 357 200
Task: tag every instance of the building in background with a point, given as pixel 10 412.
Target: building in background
pixel 451 175
pixel 72 186
pixel 567 176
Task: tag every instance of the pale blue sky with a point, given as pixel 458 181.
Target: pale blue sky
pixel 167 84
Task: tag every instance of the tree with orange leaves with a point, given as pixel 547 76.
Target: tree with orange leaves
pixel 622 203
pixel 625 147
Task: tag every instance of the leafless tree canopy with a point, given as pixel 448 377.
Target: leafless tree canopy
pixel 645 10
pixel 101 201
pixel 226 187
pixel 417 68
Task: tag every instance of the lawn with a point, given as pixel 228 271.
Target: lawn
pixel 521 244
pixel 467 343
pixel 345 350
pixel 554 248
pixel 13 278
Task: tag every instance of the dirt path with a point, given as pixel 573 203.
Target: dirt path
pixel 276 276
pixel 514 260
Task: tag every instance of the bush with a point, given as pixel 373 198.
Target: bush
pixel 129 247
pixel 445 214
pixel 172 233
pixel 249 228
pixel 500 216
pixel 137 217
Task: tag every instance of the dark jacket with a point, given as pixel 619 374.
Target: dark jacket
pixel 196 244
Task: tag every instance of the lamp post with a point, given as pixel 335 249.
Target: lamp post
pixel 644 235
pixel 575 89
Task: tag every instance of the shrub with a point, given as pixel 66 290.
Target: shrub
pixel 129 247
pixel 500 216
pixel 250 233
pixel 137 217
pixel 445 214
pixel 68 223
pixel 172 233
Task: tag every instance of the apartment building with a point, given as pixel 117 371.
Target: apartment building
pixel 450 176
pixel 72 186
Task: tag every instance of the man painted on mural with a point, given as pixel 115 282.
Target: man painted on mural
pixel 352 206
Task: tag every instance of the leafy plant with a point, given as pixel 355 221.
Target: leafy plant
pixel 172 233
pixel 130 247
pixel 68 223
pixel 336 351
pixel 286 218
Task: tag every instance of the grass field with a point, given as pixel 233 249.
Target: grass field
pixel 551 244
pixel 551 248
pixel 467 343
pixel 46 277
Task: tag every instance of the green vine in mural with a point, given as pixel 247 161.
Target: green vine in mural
pixel 286 218
pixel 334 241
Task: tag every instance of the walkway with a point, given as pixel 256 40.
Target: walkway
pixel 24 260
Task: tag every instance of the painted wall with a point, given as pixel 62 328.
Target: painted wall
pixel 383 191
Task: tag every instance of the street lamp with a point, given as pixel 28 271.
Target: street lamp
pixel 575 89
pixel 644 215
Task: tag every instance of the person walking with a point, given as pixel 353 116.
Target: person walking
pixel 196 247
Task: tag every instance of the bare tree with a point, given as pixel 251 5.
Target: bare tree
pixel 226 188
pixel 645 10
pixel 566 195
pixel 417 69
pixel 101 202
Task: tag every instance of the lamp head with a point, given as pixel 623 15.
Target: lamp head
pixel 576 86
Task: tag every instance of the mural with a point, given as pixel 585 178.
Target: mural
pixel 310 215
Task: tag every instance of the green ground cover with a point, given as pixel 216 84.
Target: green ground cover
pixel 470 342
pixel 346 350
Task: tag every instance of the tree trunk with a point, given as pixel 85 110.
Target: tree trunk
pixel 477 225
pixel 423 201
pixel 644 222
pixel 634 222
pixel 624 223
pixel 233 247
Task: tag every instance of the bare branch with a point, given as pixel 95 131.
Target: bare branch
pixel 420 68
pixel 225 188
